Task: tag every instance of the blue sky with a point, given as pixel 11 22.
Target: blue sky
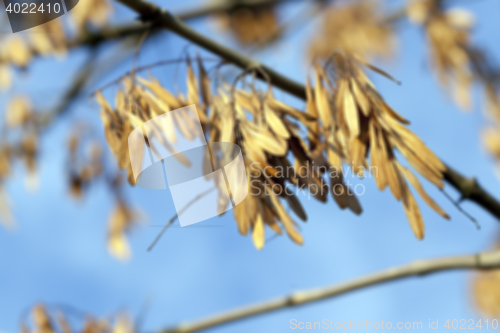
pixel 58 255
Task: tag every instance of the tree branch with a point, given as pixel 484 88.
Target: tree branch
pixel 469 189
pixel 111 33
pixel 108 33
pixel 78 84
pixel 45 118
pixel 152 13
pixel 480 261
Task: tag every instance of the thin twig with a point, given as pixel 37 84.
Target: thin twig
pixel 457 205
pixel 74 91
pixel 169 223
pixel 480 261
pixel 138 50
pixel 173 218
pixel 141 315
pixel 79 83
pixel 146 67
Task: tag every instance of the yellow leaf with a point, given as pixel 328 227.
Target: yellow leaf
pixel 123 325
pixel 6 217
pixel 192 86
pixel 416 184
pixel 287 221
pixel 161 92
pixel 204 83
pixel 18 51
pixel 258 233
pixel 5 77
pixel 322 101
pixel 351 114
pixel 118 246
pixel 18 111
pixel 41 319
pixel 276 124
pixel 413 213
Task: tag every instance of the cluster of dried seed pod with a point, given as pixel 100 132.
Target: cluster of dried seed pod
pixel 357 123
pixel 267 130
pixel 6 217
pixel 448 34
pixel 250 25
pixel 491 135
pixel 486 290
pixel 356 28
pixel 137 102
pixel 122 219
pixel 49 38
pixel 491 138
pixel 22 135
pixel 268 133
pixel 19 50
pixel 487 293
pixel 84 161
pixel 90 13
pixel 345 122
pixel 85 166
pixel 19 142
pixel 46 319
pixel 458 63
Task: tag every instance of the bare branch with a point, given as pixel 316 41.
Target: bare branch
pixel 480 261
pixel 469 189
pixel 78 84
pixel 74 90
pixel 152 13
pixel 136 29
pixel 108 34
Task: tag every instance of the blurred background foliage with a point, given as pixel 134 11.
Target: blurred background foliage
pixel 67 205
